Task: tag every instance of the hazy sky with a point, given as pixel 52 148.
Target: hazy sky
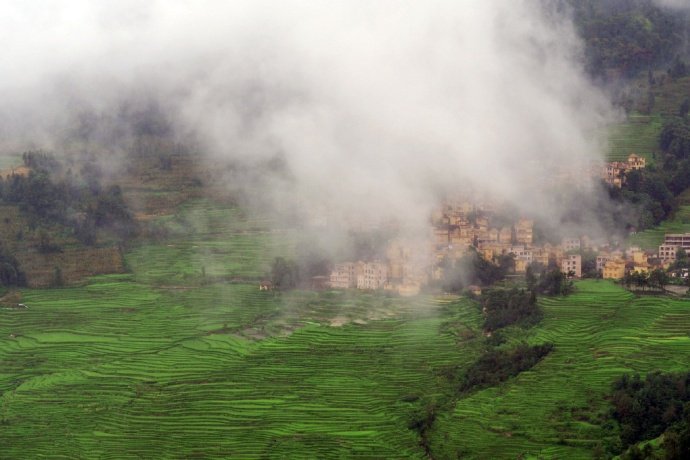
pixel 681 4
pixel 373 105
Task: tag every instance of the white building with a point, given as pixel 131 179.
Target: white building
pixel 572 263
pixel 373 275
pixel 344 276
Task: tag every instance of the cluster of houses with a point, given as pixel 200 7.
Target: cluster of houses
pixel 614 172
pixel 404 270
pixel 615 264
pixel 460 226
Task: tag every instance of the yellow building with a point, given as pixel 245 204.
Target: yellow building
pixel 487 252
pixel 639 257
pixel 524 230
pixel 641 268
pixel 540 256
pixel 636 161
pixel 521 265
pixel 505 235
pixel 614 269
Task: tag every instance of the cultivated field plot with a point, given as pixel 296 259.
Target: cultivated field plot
pixel 680 223
pixel 552 411
pixel 186 358
pixel 206 239
pixel 116 370
pixel 639 134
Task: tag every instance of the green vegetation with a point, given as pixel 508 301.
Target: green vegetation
pixel 186 357
pixel 474 269
pixel 115 368
pixel 558 408
pixel 638 134
pixel 10 271
pixel 503 307
pixel 497 366
pixel 629 36
pixel 49 195
pixel 680 222
pixel 645 409
pixel 225 243
pixel 553 282
pixel 163 364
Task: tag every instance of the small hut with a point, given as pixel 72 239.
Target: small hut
pixel 319 283
pixel 265 285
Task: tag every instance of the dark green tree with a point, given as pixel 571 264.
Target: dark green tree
pixel 284 273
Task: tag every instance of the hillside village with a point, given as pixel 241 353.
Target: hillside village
pixel 458 227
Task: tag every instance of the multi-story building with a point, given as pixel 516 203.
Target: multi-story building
pixel 570 244
pixel 520 252
pixel 667 252
pixel 540 256
pixel 614 269
pixel 636 161
pixel 521 265
pixel 639 257
pixel 372 275
pixel 614 173
pixel 601 261
pixel 505 235
pixel 524 231
pixel 572 263
pixel 678 239
pixel 344 276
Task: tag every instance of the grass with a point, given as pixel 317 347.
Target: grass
pixel 553 410
pixel 680 223
pixel 162 363
pixel 12 160
pixel 116 369
pixel 638 134
pixel 220 242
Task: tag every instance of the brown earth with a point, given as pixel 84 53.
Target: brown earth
pixel 76 264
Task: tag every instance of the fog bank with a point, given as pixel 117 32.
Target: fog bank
pixel 375 109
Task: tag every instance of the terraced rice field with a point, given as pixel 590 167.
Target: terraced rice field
pixel 653 237
pixel 209 239
pixel 116 370
pixel 552 411
pixel 8 161
pixel 670 96
pixel 156 364
pixel 639 134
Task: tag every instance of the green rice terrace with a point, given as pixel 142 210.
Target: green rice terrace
pixel 680 223
pixel 184 357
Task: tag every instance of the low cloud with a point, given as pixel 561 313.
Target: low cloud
pixel 375 109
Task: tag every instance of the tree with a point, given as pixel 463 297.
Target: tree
pixel 628 279
pixel 58 280
pixel 555 282
pixel 681 259
pixel 658 279
pixel 684 107
pixel 679 68
pixel 284 273
pixel 10 272
pixel 45 243
pixel 530 278
pixel 641 279
pixel 503 307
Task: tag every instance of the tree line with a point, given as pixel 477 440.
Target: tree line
pixel 48 194
pixel 647 408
